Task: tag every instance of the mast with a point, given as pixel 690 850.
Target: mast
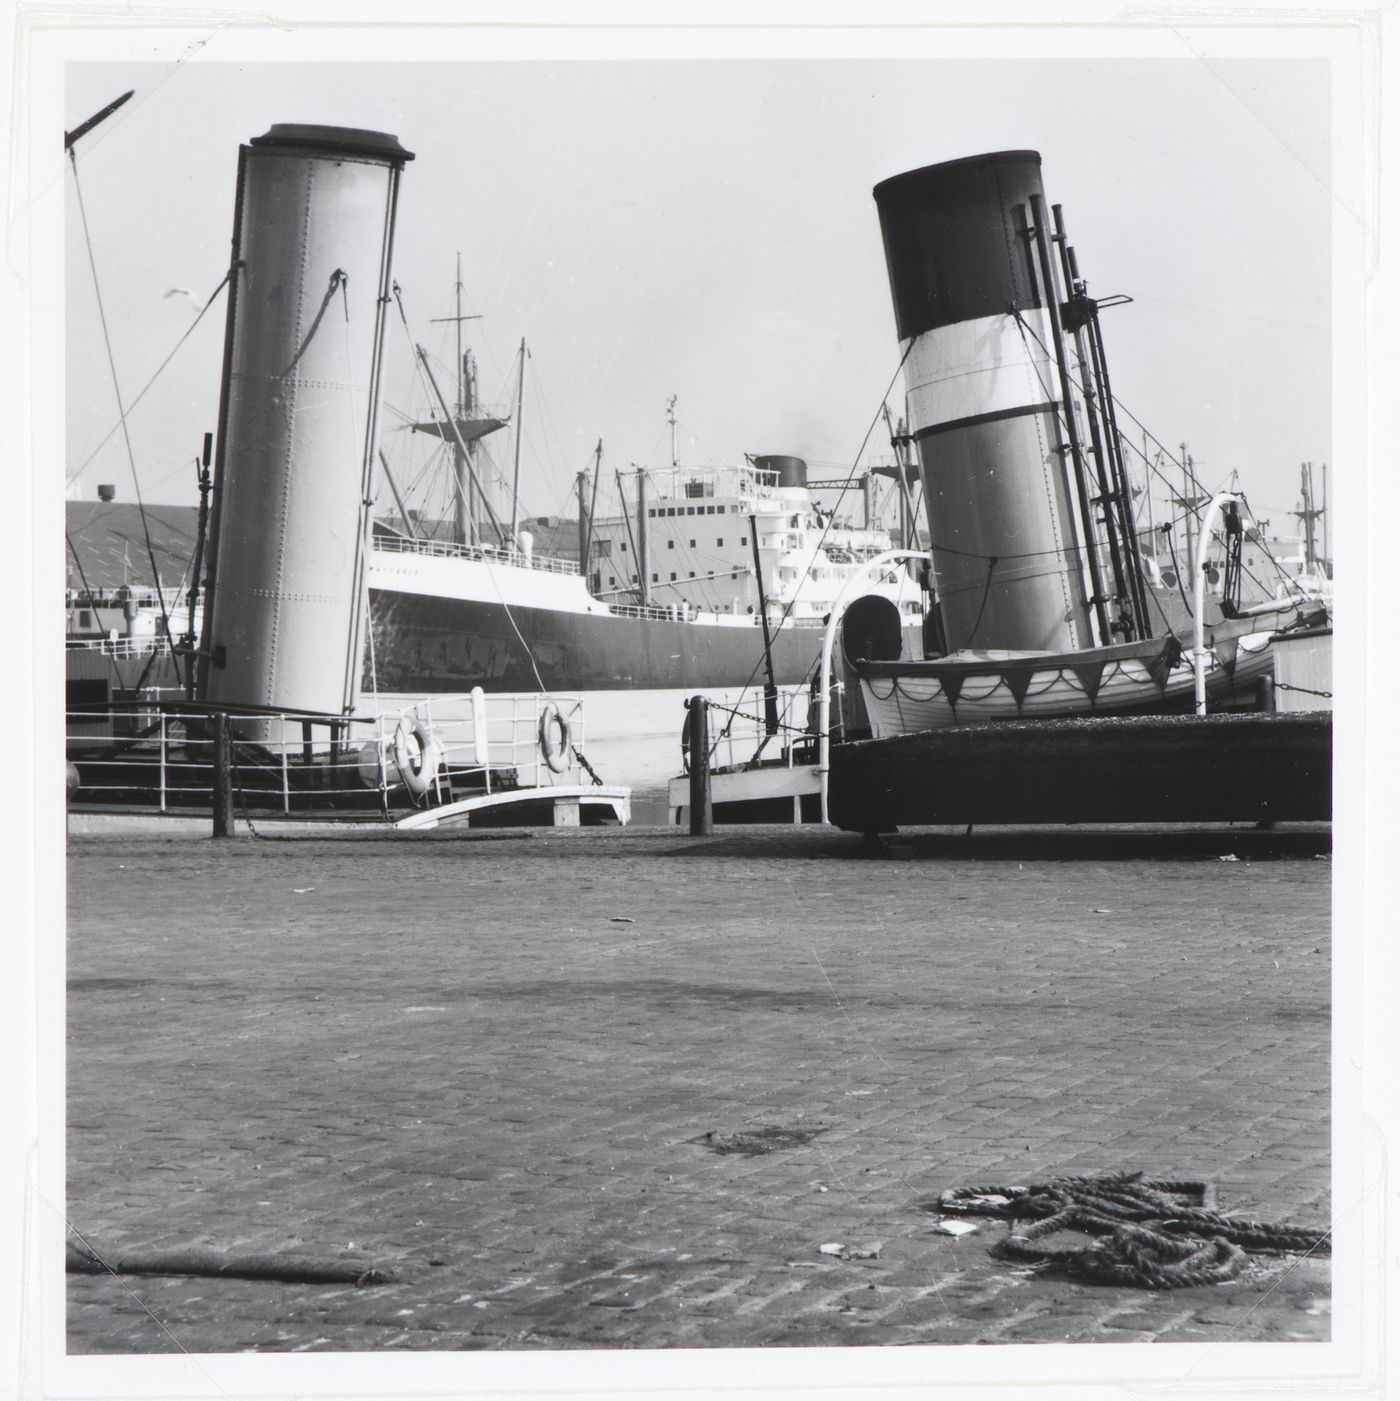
pixel 593 500
pixel 1326 547
pixel 1040 235
pixel 455 426
pixel 1147 487
pixel 908 517
pixel 1310 515
pixel 1082 320
pixel 519 424
pixel 671 419
pixel 205 485
pixel 580 482
pixel 461 364
pixel 643 552
pixel 463 498
pixel 770 689
pixel 1189 501
pixel 627 521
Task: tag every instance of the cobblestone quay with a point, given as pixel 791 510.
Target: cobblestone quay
pixel 501 1070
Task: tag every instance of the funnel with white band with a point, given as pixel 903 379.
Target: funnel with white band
pixel 985 403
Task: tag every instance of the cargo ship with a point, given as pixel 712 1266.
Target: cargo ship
pixel 723 578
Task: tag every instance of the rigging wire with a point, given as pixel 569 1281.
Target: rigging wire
pixel 1186 468
pixel 555 452
pixel 366 485
pixel 120 423
pixel 810 675
pixel 986 593
pixel 77 559
pixel 116 389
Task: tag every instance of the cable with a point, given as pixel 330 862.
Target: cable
pixel 82 466
pixel 986 593
pixel 116 389
pixel 810 675
pixel 1185 466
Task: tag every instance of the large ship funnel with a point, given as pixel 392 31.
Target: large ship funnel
pixel 312 246
pixel 995 390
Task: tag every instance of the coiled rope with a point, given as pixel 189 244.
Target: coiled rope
pixel 1149 1234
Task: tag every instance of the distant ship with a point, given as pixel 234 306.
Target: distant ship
pixel 447 616
pixel 668 598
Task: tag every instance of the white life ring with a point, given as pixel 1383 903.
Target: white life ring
pixel 554 738
pixel 419 777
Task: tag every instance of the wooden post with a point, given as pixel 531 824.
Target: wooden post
pixel 223 787
pixel 702 818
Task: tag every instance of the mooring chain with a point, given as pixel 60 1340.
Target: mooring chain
pixel 1304 690
pixel 1146 1236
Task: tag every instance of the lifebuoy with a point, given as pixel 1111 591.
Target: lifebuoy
pixel 554 738
pixel 419 777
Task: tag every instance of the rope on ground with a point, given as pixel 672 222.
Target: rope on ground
pixel 211 1264
pixel 1148 1234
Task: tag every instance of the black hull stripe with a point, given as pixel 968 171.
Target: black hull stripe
pixel 425 644
pixel 977 419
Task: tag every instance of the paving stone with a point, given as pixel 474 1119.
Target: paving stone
pixel 452 1054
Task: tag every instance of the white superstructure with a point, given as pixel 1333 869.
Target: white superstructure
pixel 694 545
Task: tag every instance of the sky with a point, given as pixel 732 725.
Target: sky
pixel 704 228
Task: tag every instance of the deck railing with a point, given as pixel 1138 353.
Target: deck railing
pixel 120 647
pixel 159 753
pixel 489 554
pixel 739 733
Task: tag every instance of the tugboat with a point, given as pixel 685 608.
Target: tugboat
pixel 1039 564
pixel 1051 629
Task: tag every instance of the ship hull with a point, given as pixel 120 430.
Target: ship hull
pixel 424 644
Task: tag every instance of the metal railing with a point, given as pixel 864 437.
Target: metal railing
pixel 119 595
pixel 739 733
pixel 159 753
pixel 488 554
pixel 120 647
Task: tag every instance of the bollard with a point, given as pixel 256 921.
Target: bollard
pixel 223 788
pixel 1264 698
pixel 702 818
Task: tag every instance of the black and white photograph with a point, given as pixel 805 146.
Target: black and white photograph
pixel 696 691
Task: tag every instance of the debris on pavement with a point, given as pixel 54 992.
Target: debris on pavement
pixel 850 1252
pixel 949 1227
pixel 766 1139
